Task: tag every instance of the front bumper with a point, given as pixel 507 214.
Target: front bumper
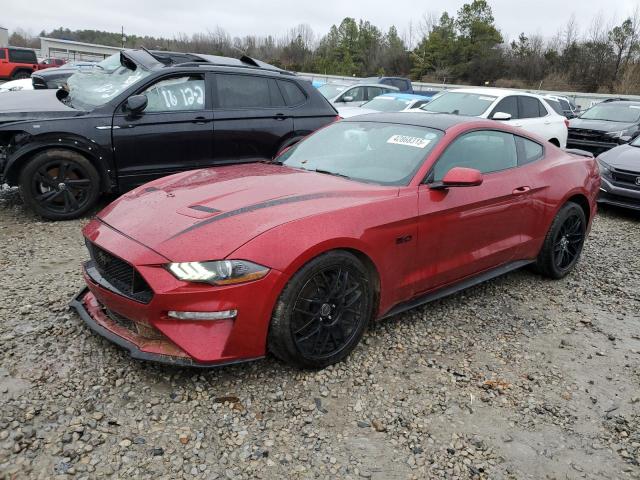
pixel 146 330
pixel 594 146
pixel 618 196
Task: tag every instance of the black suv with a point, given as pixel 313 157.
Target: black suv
pixel 605 125
pixel 140 115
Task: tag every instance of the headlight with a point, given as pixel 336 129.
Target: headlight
pixel 220 272
pixel 623 136
pixel 605 170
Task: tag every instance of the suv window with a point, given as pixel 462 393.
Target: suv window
pixel 401 84
pixel 2 54
pixel 373 92
pixel 555 104
pixel 244 91
pixel 530 150
pixel 22 56
pixel 531 107
pixel 507 105
pixel 292 93
pixel 176 94
pixel 485 150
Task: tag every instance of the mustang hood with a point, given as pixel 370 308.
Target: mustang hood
pixel 600 125
pixel 217 210
pixel 624 157
pixel 33 105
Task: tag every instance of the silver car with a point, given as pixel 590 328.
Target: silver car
pixel 354 95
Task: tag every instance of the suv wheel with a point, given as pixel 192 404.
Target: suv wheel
pixel 59 184
pixel 20 74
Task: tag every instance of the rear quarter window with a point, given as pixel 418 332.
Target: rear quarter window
pixel 292 93
pixel 529 151
pixel 3 55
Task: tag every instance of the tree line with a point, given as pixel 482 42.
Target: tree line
pixel 464 48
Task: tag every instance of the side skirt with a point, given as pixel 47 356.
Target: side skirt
pixel 450 290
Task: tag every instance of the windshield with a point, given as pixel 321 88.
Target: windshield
pixel 371 152
pixel 387 104
pixel 460 103
pixel 92 88
pixel 613 112
pixel 330 90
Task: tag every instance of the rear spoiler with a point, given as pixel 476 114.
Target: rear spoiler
pixel 576 151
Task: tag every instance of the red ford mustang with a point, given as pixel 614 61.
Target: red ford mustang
pixel 363 219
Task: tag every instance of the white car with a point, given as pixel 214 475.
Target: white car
pixel 389 102
pixel 353 95
pixel 518 109
pixel 16 85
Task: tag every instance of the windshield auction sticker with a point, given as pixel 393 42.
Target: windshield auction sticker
pixel 409 141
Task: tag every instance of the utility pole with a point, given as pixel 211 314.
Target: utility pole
pixel 124 39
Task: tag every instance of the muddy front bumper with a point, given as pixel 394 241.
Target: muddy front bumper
pixel 139 340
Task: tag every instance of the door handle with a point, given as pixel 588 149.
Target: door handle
pixel 521 190
pixel 200 120
pixel 280 116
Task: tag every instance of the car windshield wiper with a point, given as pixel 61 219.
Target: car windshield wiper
pixel 328 172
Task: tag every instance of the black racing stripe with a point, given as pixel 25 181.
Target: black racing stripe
pixel 257 206
pixel 203 208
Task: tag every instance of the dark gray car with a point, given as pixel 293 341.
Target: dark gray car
pixel 620 172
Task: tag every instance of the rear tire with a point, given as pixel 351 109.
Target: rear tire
pixel 59 184
pixel 20 74
pixel 563 244
pixel 322 312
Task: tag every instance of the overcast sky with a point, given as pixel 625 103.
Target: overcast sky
pixel 244 17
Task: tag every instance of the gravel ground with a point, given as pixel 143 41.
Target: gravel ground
pixel 517 378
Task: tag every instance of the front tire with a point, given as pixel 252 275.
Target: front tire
pixel 563 244
pixel 59 184
pixel 322 312
pixel 21 74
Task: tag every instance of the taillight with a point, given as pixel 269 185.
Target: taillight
pixel 566 123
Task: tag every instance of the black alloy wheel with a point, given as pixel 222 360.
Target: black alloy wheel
pixel 568 242
pixel 563 243
pixel 59 184
pixel 323 311
pixel 327 311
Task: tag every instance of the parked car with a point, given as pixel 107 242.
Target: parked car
pixel 389 102
pixel 57 77
pixel 519 109
pixel 567 107
pixel 51 63
pixel 605 126
pixel 139 116
pixel 620 172
pixel 402 84
pixel 191 269
pixel 17 63
pixel 16 85
pixel 354 95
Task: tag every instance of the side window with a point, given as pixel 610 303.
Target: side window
pixel 293 95
pixel 507 105
pixel 401 84
pixel 485 150
pixel 2 54
pixel 357 93
pixel 419 103
pixel 373 92
pixel 530 107
pixel 176 94
pixel 22 56
pixel 555 105
pixel 529 151
pixel 542 109
pixel 244 91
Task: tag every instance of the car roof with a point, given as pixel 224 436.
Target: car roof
pixel 495 92
pixel 438 121
pixel 405 96
pixel 620 102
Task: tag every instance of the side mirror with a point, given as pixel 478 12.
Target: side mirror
pixel 501 116
pixel 348 98
pixel 136 104
pixel 459 177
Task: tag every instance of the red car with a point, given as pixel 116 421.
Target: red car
pixel 364 219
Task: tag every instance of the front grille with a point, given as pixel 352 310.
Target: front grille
pixel 629 179
pixel 143 330
pixel 120 275
pixel 592 135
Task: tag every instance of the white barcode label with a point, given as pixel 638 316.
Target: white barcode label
pixel 409 141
